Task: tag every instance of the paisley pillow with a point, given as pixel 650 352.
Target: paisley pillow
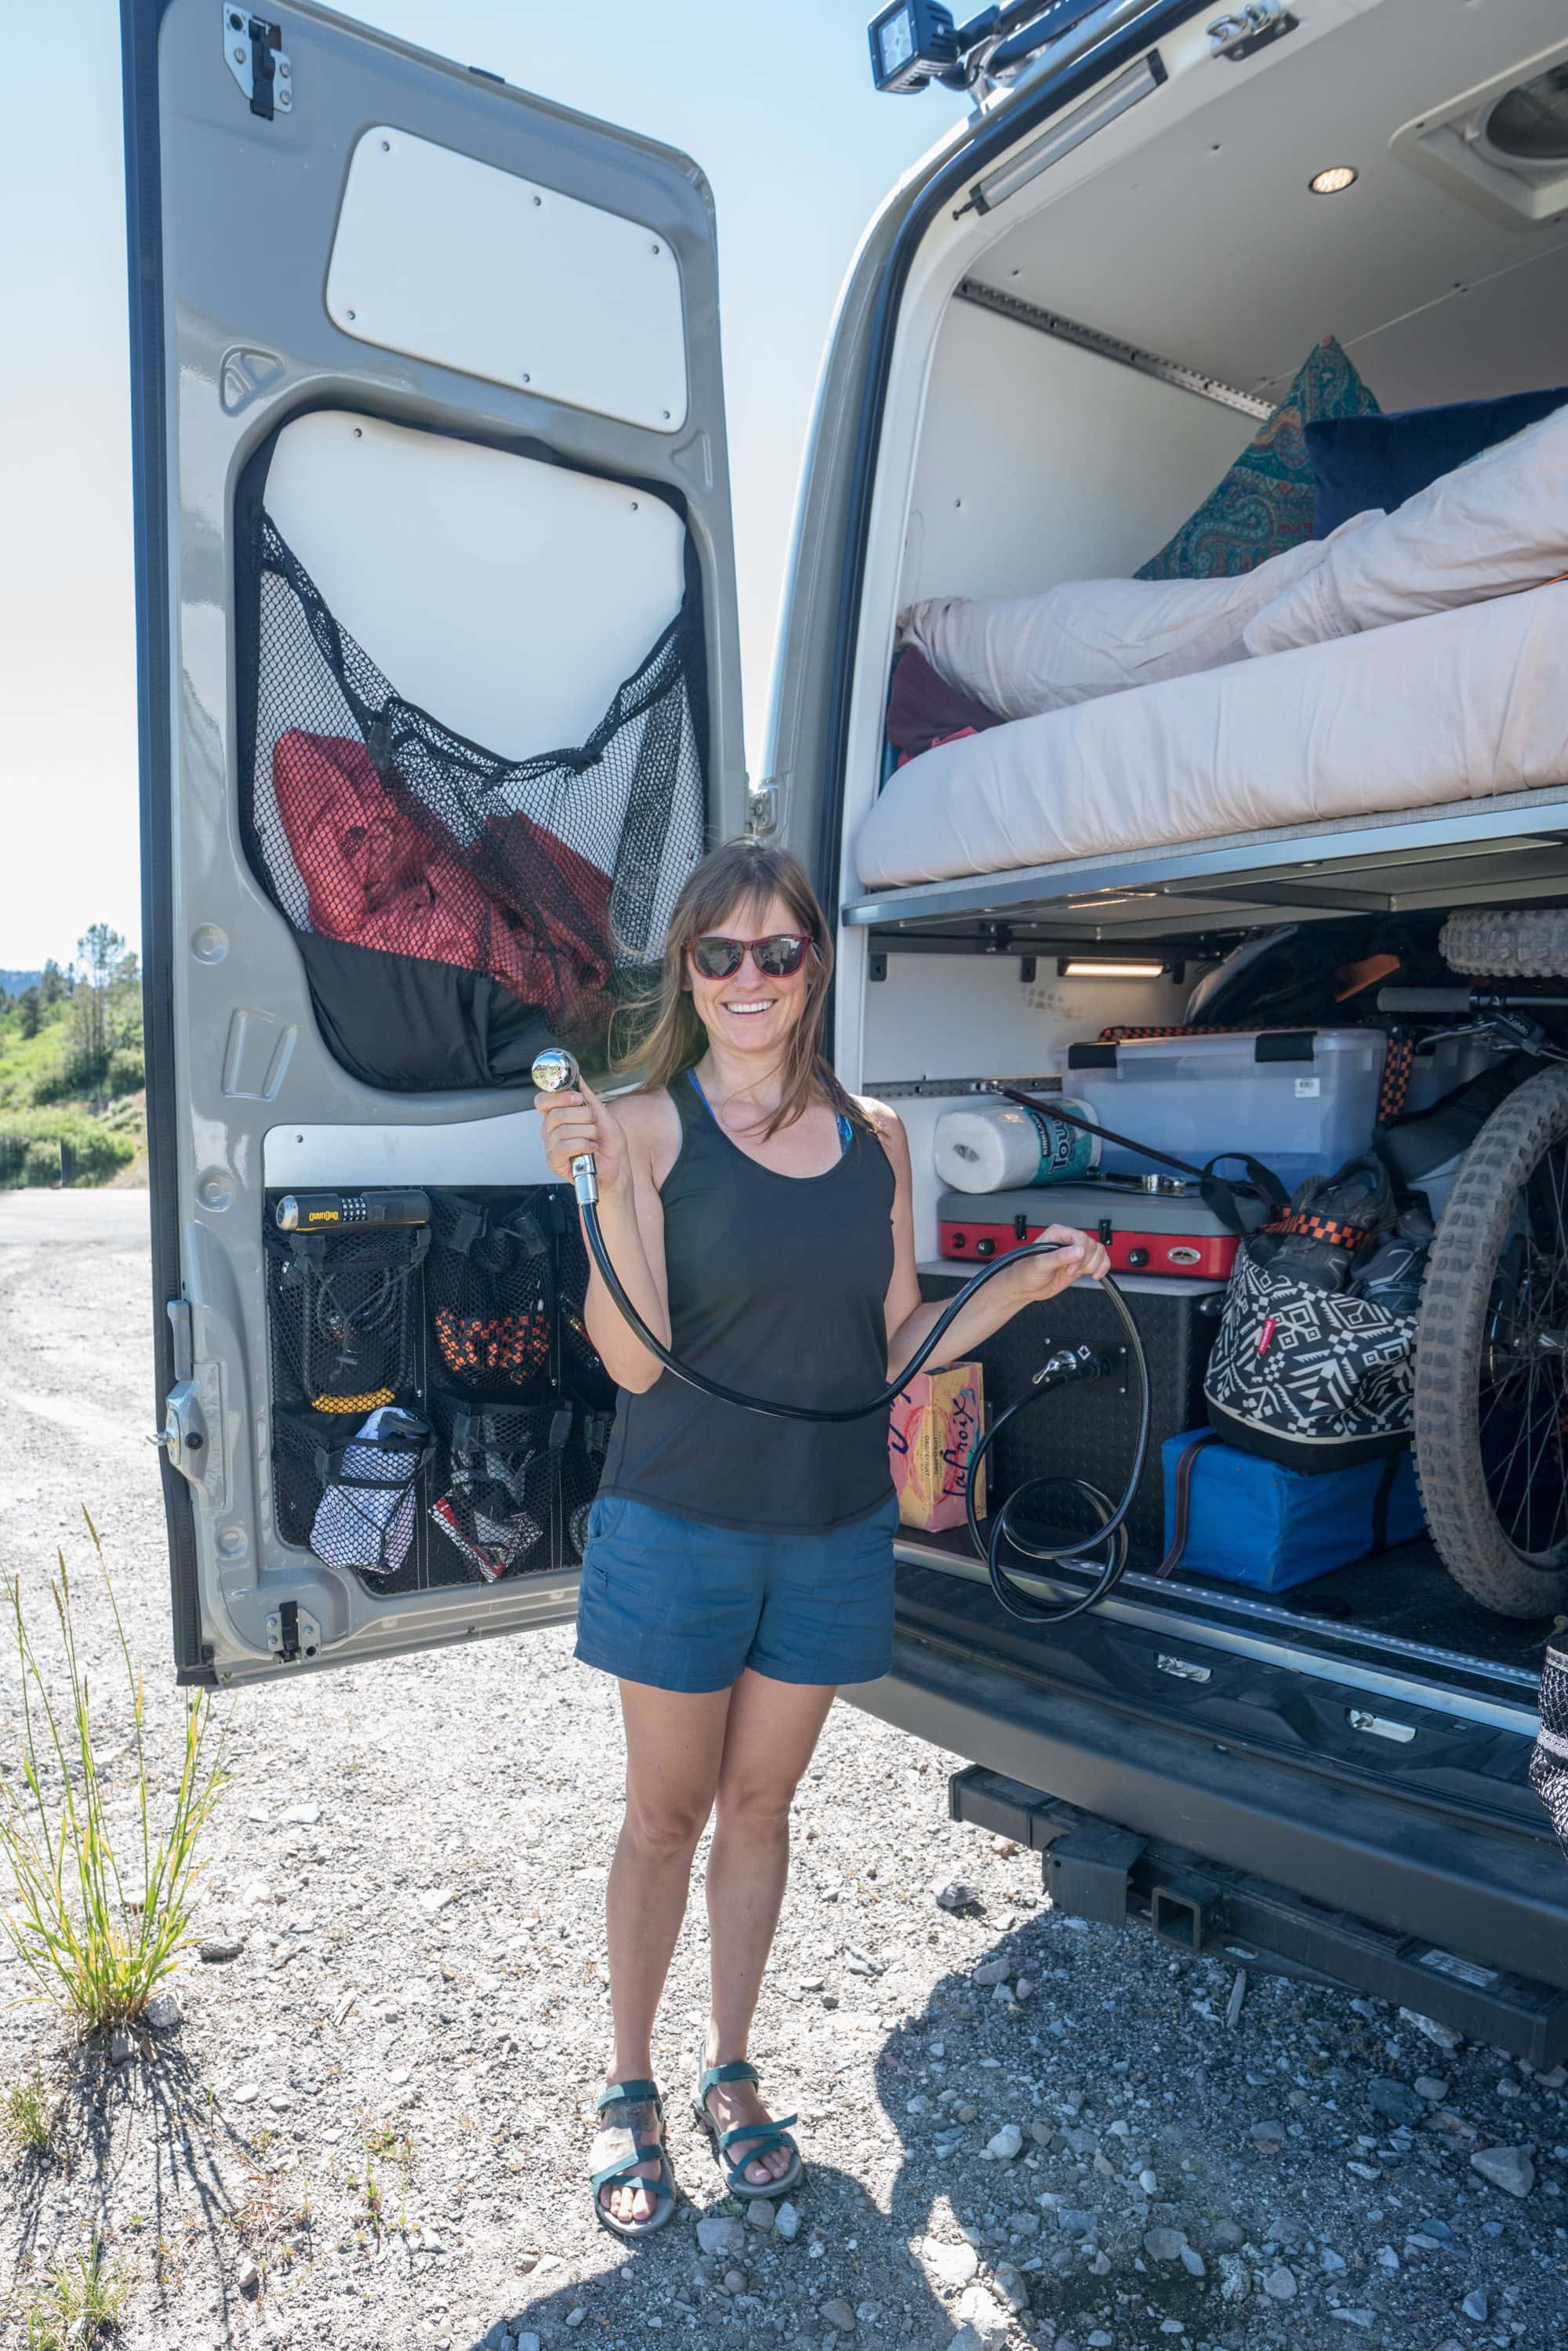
pixel 1265 503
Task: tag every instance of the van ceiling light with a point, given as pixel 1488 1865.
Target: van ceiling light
pixel 1092 967
pixel 1334 180
pixel 1065 136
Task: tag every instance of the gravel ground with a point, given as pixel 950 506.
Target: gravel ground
pixel 369 2127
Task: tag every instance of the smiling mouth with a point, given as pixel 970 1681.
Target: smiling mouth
pixel 748 1007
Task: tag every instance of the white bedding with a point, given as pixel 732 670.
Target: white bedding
pixel 1456 706
pixel 1023 655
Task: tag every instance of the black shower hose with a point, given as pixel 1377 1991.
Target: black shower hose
pixel 1061 1370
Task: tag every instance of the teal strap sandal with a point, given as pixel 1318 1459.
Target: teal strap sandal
pixel 734 2149
pixel 618 2150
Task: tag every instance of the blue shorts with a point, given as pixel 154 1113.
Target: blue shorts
pixel 681 1606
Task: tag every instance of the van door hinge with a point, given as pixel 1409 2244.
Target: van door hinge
pixel 253 50
pixel 764 809
pixel 1250 27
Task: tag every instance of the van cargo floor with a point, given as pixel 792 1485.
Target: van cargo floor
pixel 1402 1608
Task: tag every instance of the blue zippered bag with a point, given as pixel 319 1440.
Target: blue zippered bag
pixel 1245 1520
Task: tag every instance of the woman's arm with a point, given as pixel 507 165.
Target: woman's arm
pixel 908 1321
pixel 631 1218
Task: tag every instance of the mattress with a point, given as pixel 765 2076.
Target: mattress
pixel 1454 705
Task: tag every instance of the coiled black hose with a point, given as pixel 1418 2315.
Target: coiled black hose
pixel 1111 1529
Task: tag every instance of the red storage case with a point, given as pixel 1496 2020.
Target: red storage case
pixel 1158 1227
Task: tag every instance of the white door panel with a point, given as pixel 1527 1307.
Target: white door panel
pixel 451 260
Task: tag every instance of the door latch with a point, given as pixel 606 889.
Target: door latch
pixel 253 51
pixel 292 1633
pixel 191 1434
pixel 1250 27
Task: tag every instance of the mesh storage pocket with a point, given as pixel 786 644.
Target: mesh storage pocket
pixel 581 1467
pixel 344 1315
pixel 493 1487
pixel 490 1290
pixel 352 1498
pixel 455 908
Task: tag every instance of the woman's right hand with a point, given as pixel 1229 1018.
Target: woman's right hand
pixel 577 1121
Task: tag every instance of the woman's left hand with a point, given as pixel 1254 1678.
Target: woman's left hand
pixel 1080 1257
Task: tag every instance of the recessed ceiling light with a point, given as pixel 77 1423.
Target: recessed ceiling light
pixel 1334 180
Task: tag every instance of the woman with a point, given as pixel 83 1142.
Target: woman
pixel 739 1569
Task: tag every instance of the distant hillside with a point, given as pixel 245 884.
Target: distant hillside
pixel 72 1100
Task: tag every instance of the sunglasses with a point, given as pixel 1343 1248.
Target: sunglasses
pixel 775 959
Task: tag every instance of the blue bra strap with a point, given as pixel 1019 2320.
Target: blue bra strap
pixel 846 1131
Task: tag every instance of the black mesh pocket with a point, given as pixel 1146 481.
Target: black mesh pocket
pixel 582 1367
pixel 344 1315
pixel 491 1293
pixel 454 908
pixel 495 1484
pixel 352 1499
pixel 581 1467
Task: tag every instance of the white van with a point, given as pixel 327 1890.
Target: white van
pixel 430 477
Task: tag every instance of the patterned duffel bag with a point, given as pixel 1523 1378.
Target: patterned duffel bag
pixel 1312 1364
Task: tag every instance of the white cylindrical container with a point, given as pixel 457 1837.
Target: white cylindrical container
pixel 1004 1147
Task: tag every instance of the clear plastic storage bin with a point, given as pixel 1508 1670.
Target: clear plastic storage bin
pixel 1303 1103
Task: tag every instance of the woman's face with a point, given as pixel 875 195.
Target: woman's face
pixel 752 1012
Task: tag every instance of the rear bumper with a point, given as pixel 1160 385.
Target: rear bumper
pixel 1489 1894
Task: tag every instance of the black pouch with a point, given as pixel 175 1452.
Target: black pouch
pixel 351 1497
pixel 495 1485
pixel 343 1314
pixel 491 1293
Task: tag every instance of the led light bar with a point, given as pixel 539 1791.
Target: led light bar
pixel 1065 136
pixel 1088 968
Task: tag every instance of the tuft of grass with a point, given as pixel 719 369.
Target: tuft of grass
pixel 25 2114
pixel 98 1930
pixel 85 2301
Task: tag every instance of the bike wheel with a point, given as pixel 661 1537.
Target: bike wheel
pixel 1491 1361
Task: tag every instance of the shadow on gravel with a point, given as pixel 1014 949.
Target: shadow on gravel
pixel 157 2093
pixel 785 2294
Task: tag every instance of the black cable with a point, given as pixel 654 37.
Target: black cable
pixel 1112 1529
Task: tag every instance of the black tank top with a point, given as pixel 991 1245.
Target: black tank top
pixel 777 1286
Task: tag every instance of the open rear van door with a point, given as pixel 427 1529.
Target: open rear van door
pixel 439 699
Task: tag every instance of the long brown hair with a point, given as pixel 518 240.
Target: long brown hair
pixel 666 1037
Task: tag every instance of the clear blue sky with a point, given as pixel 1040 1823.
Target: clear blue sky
pixel 776 104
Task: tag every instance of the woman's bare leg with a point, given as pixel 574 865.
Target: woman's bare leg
pixel 674 1743
pixel 772 1729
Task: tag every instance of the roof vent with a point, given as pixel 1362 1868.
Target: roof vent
pixel 1503 145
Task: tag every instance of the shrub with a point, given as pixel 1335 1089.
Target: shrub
pixel 30 1147
pixel 97 1945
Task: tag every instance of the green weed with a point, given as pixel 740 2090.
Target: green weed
pixel 85 2299
pixel 95 1945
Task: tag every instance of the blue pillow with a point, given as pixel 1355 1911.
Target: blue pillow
pixel 1381 461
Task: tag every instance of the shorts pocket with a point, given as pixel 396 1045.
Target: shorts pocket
pixel 605 1516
